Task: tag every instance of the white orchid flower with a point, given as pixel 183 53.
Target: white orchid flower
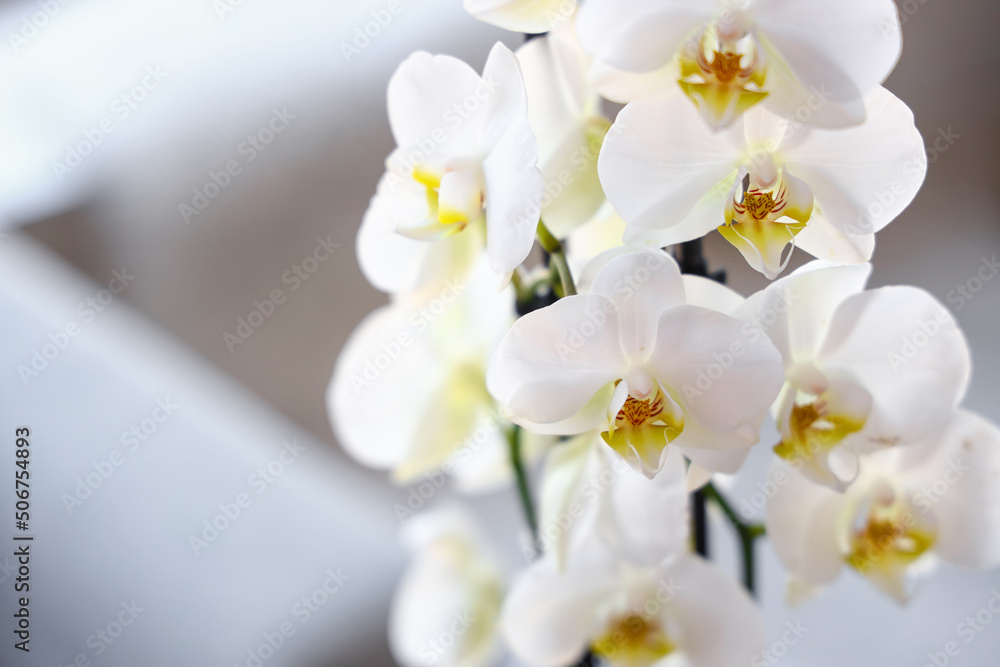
pixel 409 389
pixel 813 59
pixel 588 488
pixel 601 233
pixel 681 609
pixel 635 361
pixel 530 16
pixel 864 369
pixel 465 166
pixel 447 607
pixel 616 578
pixel 565 114
pixel 938 498
pixel 765 182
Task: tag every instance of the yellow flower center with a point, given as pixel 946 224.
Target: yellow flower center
pixel 759 204
pixel 632 640
pixel 813 429
pixel 454 199
pixel 638 412
pixel 888 542
pixel 722 71
pixel 768 208
pixel 725 66
pixel 642 429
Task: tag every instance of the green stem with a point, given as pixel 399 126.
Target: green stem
pixel 517 462
pixel 747 532
pixel 558 258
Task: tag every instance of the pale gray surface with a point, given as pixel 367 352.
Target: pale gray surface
pixel 130 538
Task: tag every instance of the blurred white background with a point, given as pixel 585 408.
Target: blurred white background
pixel 170 92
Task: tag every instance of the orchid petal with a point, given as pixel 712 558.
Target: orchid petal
pixel 803 522
pixel 660 160
pixel 550 617
pixel 691 343
pixel 530 16
pixel 842 49
pixel 554 360
pixel 642 285
pixel 423 92
pixel 449 575
pixel 360 391
pixel 711 294
pixel 902 345
pixel 967 463
pixel 639 35
pixel 514 190
pixel 864 176
pixel 706 603
pixel 795 311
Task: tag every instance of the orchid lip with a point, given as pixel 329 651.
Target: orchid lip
pixel 642 428
pixel 634 639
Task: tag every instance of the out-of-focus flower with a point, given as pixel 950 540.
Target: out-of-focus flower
pixel 633 360
pixel 530 16
pixel 601 233
pixel 618 579
pixel 465 166
pixel 632 616
pixel 587 488
pixel 565 114
pixel 765 182
pixel 938 497
pixel 447 607
pixel 864 370
pixel 409 389
pixel 802 58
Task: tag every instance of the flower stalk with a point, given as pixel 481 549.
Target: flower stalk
pixel 747 533
pixel 557 255
pixel 523 488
